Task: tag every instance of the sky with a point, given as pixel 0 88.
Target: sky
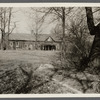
pixel 23 22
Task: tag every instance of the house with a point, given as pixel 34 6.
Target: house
pixel 28 42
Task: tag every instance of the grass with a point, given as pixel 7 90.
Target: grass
pixel 34 57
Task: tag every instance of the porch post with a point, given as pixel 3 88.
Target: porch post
pixel 47 47
pixel 43 47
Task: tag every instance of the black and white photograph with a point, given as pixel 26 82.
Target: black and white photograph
pixel 50 49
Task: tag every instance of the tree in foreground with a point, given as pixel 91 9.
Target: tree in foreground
pixel 94 56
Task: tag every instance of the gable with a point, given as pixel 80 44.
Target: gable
pixel 49 39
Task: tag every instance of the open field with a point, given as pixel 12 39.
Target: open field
pixel 35 57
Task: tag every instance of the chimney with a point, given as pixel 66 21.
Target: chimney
pixel 32 32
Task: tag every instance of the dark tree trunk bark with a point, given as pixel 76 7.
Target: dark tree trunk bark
pixel 94 55
pixel 63 37
pixel 3 40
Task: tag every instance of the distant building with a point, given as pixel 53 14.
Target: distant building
pixel 28 42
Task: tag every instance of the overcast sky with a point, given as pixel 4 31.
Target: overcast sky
pixel 24 22
pixel 21 15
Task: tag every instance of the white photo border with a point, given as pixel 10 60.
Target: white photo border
pixel 49 5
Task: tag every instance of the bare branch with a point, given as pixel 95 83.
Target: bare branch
pixel 13 28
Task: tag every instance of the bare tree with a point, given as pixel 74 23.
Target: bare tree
pixel 6 27
pixel 59 14
pixel 57 31
pixel 36 24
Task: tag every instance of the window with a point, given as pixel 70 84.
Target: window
pixel 17 44
pixel 26 45
pixel 11 43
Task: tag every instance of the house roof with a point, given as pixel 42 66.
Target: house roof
pixel 21 37
pixel 31 37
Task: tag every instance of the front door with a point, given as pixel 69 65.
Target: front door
pixel 48 47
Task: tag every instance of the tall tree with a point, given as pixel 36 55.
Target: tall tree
pixel 36 24
pixel 6 29
pixel 94 55
pixel 59 14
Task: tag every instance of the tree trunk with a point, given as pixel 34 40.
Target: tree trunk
pixel 9 24
pixel 3 27
pixel 63 49
pixel 1 22
pixel 2 41
pixel 5 21
pixel 94 55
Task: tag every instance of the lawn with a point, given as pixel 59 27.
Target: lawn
pixel 35 57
